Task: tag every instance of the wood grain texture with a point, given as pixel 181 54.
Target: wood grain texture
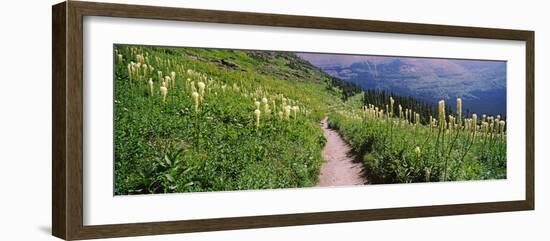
pixel 67 136
pixel 59 181
pixel 530 120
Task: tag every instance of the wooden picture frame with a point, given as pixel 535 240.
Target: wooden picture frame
pixel 67 122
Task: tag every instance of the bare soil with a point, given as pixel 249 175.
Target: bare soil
pixel 340 168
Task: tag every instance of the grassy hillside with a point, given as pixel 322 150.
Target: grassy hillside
pixel 175 143
pixel 396 147
pixel 192 120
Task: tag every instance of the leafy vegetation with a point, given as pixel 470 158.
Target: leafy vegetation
pixel 193 119
pixel 189 120
pixel 397 148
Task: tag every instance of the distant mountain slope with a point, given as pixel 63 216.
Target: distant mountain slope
pixel 481 84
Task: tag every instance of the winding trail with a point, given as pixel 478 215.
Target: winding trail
pixel 340 168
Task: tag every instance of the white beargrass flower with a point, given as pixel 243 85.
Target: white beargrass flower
pixel 295 109
pixel 287 111
pixel 168 81
pixel 266 106
pixel 400 112
pixel 195 96
pixel 441 107
pixel 201 88
pixel 391 106
pixel 459 111
pixel 151 86
pixel 257 105
pixel 164 91
pixel 474 122
pixel 119 58
pixel 173 77
pixel 501 125
pixel 257 114
pixel 144 66
pixel 451 123
pixel 140 59
pixel 485 127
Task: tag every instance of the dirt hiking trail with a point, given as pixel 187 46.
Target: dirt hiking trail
pixel 340 168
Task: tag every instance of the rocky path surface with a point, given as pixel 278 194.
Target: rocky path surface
pixel 340 168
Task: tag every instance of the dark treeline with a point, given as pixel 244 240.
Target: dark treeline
pixel 348 89
pixel 381 98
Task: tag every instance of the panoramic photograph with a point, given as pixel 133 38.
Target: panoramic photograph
pixel 202 120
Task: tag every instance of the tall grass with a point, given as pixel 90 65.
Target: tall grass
pixel 188 132
pixel 399 149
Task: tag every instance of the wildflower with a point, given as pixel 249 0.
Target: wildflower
pixel 193 88
pixel 130 71
pixel 274 106
pixel 196 98
pixel 151 86
pixel 441 108
pixel 417 118
pixel 140 59
pixel 451 122
pixel 159 74
pixel 281 114
pixel 266 108
pixel 491 123
pixel 485 127
pixel 201 88
pixel 173 77
pixel 257 114
pixel 287 111
pixel 168 80
pixel 459 111
pixel 119 58
pixel 400 111
pixel 474 122
pixel 164 91
pixel 257 104
pixel 417 151
pixel 295 109
pixel 391 107
pixel 501 125
pixel 144 66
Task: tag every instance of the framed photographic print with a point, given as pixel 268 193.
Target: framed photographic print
pixel 171 120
